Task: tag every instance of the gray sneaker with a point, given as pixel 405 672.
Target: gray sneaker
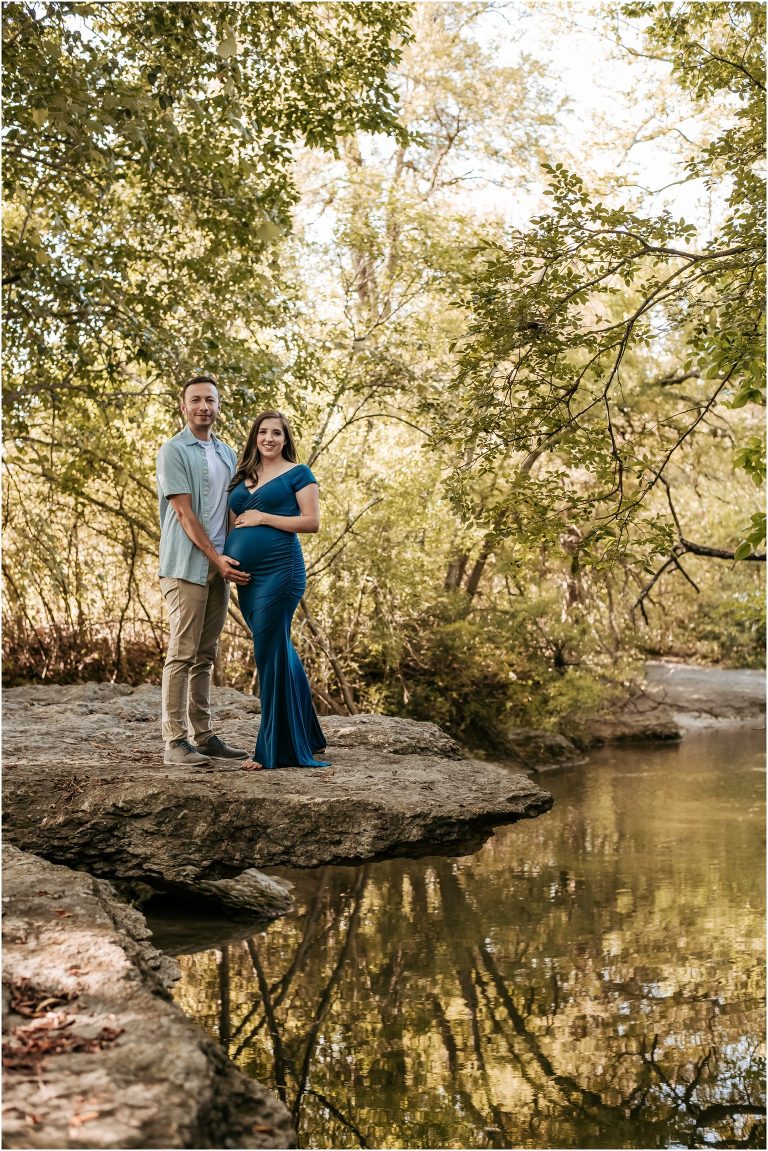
pixel 218 749
pixel 182 753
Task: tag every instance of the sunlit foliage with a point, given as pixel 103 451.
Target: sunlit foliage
pixel 328 244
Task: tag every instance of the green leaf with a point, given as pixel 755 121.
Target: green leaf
pixel 228 47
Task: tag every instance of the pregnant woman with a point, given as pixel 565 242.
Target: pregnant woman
pixel 272 499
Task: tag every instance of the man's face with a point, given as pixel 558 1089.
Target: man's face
pixel 200 406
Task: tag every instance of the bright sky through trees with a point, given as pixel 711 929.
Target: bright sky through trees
pixel 619 116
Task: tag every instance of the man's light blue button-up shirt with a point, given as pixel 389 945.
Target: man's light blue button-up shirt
pixel 182 469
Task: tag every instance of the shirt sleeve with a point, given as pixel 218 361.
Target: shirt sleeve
pixel 300 477
pixel 173 478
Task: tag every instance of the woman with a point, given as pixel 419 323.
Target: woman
pixel 272 499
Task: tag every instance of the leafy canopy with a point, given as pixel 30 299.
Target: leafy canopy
pixel 584 322
pixel 148 153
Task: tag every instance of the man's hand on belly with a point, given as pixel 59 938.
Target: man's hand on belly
pixel 228 568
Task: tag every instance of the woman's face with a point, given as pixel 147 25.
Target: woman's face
pixel 270 439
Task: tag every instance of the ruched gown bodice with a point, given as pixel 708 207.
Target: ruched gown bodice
pixel 289 731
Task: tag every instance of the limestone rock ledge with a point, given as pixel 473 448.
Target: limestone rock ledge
pixel 95 1054
pixel 84 784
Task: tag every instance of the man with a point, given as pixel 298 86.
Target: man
pixel 193 473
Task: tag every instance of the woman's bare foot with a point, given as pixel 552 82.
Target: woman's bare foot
pixel 251 765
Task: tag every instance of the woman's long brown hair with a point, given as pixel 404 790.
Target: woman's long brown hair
pixel 250 459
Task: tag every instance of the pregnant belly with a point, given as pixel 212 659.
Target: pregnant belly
pixel 260 548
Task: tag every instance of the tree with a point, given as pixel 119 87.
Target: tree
pixel 379 318
pixel 148 183
pixel 585 324
pixel 148 172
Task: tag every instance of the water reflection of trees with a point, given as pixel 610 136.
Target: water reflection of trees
pixel 386 1016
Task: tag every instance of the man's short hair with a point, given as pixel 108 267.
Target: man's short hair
pixel 203 379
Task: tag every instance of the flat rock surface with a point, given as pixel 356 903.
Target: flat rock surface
pixel 643 714
pixel 532 749
pixel 94 1052
pixel 679 697
pixel 703 696
pixel 85 784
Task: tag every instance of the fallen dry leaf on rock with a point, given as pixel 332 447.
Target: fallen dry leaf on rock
pixel 30 1001
pixel 86 1117
pixel 34 1043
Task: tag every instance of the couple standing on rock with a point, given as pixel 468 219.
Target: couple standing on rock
pixel 223 521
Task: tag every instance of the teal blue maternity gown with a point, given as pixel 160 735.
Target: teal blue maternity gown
pixel 289 731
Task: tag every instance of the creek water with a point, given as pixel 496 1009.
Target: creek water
pixel 590 978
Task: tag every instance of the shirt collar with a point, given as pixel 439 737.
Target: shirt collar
pixel 188 437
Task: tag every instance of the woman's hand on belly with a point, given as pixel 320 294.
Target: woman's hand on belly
pixel 249 519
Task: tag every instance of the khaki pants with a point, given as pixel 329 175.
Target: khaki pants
pixel 196 616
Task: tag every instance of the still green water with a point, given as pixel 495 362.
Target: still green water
pixel 590 978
